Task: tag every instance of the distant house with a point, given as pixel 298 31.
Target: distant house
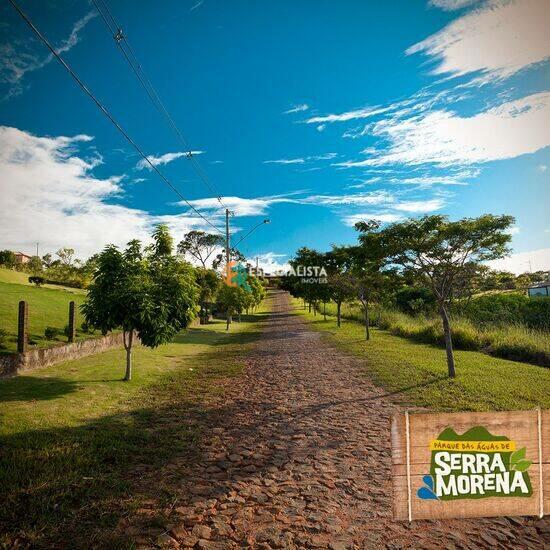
pixel 539 289
pixel 22 258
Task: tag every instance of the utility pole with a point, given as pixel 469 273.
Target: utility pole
pixel 227 238
pixel 256 266
pixel 37 248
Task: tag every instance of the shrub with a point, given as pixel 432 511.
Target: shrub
pixel 3 338
pixel 37 280
pixel 86 328
pixel 512 341
pixel 51 333
pixel 415 300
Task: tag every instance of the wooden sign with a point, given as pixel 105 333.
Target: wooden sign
pixel 454 465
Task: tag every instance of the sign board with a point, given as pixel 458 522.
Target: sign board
pixel 454 465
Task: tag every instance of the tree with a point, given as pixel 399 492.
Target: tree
pixel 7 258
pixel 209 283
pixel 372 277
pixel 34 265
pixel 341 286
pixel 47 260
pixel 148 292
pixel 200 246
pixel 66 256
pixel 441 253
pixel 232 300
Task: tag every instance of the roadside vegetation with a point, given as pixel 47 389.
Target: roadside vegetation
pixel 417 372
pixel 143 290
pixel 426 279
pixel 75 440
pixel 48 307
pixel 513 340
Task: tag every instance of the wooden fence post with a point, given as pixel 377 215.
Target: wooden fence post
pixel 72 322
pixel 23 327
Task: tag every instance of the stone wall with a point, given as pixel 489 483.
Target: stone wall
pixel 37 358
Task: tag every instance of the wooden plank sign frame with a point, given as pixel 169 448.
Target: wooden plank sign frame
pixel 471 464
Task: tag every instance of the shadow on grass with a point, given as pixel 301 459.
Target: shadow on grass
pixel 29 388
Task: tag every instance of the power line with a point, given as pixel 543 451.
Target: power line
pixel 127 51
pixel 104 110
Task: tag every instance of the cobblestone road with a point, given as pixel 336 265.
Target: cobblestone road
pixel 303 461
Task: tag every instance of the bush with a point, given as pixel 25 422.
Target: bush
pixel 3 338
pixel 37 280
pixel 51 333
pixel 415 300
pixel 86 328
pixel 508 309
pixel 513 341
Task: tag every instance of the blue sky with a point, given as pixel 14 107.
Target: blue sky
pixel 314 114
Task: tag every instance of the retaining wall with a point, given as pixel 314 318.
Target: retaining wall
pixel 37 358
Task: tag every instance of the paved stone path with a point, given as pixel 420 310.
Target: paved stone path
pixel 303 461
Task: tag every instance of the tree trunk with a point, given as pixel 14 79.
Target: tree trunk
pixel 448 340
pixel 325 310
pixel 338 316
pixel 128 348
pixel 309 305
pixel 314 309
pixel 239 317
pixel 228 321
pixel 367 329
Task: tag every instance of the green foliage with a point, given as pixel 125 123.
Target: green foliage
pixel 508 308
pixel 414 300
pixel 7 258
pixel 200 246
pixel 37 280
pixel 3 338
pixel 417 371
pixel 514 342
pixel 51 333
pixel 232 299
pixel 154 294
pixel 209 283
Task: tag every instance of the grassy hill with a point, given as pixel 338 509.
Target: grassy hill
pixel 48 306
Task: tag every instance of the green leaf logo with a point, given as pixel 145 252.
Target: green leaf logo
pixel 518 461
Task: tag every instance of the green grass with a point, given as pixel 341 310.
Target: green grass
pixel 47 307
pixel 417 372
pixel 75 439
pixel 510 341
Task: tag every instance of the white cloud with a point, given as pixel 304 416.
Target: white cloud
pixel 271 262
pixel 49 195
pixel 297 108
pixel 442 137
pixel 165 159
pixel 536 260
pixel 365 112
pixel 542 167
pixel 197 5
pixel 501 38
pixel 375 197
pixel 17 59
pixel 321 127
pixel 420 207
pixel 514 230
pixel 302 160
pixel 352 219
pixel 451 5
pixel 285 161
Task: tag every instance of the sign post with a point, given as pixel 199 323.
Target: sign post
pixel 453 465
